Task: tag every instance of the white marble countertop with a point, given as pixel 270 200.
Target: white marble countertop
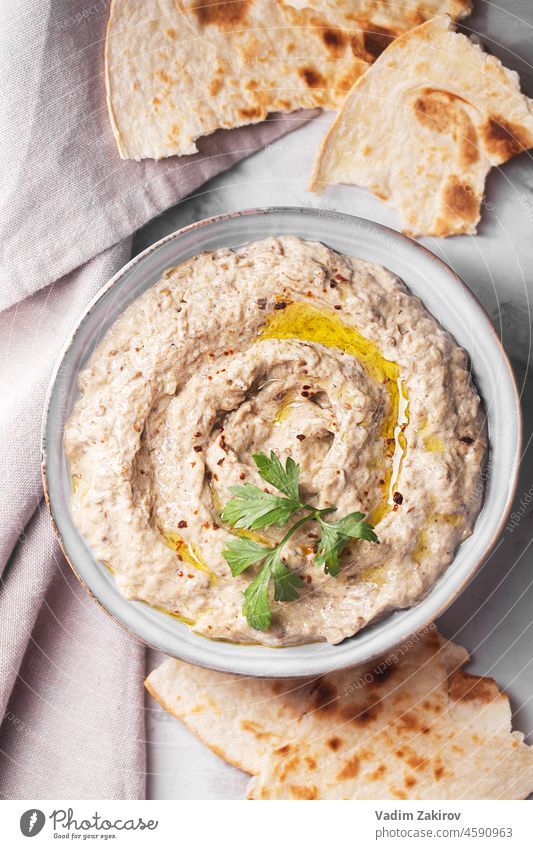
pixel 494 617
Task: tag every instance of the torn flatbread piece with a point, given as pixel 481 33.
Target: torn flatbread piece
pixel 411 725
pixel 239 718
pixel 428 732
pixel 423 127
pixel 180 69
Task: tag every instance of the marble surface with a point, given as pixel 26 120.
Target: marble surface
pixel 493 618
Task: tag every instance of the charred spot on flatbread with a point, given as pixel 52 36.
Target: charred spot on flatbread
pixel 223 14
pixel 304 792
pixel 505 139
pixel 350 768
pixel 334 40
pixel 459 199
pixel 376 39
pixel 444 112
pixel 311 77
pixel 471 688
pixel 324 696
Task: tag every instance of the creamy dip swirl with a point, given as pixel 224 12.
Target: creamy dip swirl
pixel 280 345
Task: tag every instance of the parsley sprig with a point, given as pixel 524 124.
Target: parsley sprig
pixel 252 508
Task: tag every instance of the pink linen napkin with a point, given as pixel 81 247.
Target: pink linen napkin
pixel 70 679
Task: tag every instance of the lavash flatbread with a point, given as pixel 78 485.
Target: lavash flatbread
pixel 409 726
pixel 180 69
pixel 423 127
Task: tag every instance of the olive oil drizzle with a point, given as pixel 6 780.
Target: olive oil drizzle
pixel 188 553
pixel 306 322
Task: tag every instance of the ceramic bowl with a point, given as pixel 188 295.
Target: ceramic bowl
pixel 444 295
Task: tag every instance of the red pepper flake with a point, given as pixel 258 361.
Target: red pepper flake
pixel 228 352
pixel 281 305
pixel 182 523
pixel 198 433
pixel 305 393
pixel 222 444
pixel 341 278
pixel 306 386
pixel 333 284
pixel 466 439
pixel 242 476
pixel 309 294
pixel 209 377
pixel 208 473
pixel 338 307
pixel 219 462
pixel 190 576
pixel 300 436
pixel 397 497
pixel 215 526
pixel 215 476
pixel 382 482
pixel 198 448
pixel 180 573
pixel 206 525
pixel 180 557
pixel 211 355
pixel 309 579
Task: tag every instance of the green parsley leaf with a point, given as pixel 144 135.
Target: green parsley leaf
pixel 242 553
pixel 272 471
pixel 256 607
pixel 353 526
pixel 286 583
pixel 335 537
pixel 253 509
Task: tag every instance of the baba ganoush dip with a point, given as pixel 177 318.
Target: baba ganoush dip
pixel 280 345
